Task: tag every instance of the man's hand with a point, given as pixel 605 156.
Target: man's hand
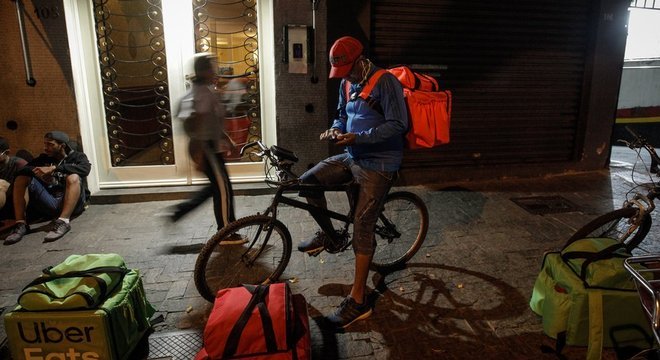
pixel 330 134
pixel 42 171
pixel 345 139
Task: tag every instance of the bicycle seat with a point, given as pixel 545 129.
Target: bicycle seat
pixel 283 154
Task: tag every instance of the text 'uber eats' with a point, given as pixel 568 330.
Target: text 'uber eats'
pixel 40 333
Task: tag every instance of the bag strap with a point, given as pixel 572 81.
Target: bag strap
pixel 590 257
pixel 80 274
pixel 595 347
pixel 259 293
pixel 560 343
pixel 418 82
pixel 365 94
pixel 267 324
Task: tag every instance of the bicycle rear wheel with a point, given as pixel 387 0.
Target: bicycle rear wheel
pixel 400 230
pixel 617 224
pixel 260 259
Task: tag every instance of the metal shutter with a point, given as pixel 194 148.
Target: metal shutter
pixel 515 69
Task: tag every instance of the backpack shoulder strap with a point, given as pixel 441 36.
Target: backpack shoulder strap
pixel 347 90
pixel 365 94
pixel 373 80
pixel 368 87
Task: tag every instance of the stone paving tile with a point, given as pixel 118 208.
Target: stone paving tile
pixel 464 295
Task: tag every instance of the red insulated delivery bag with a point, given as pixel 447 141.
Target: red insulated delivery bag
pixel 413 80
pixel 429 108
pixel 429 114
pixel 257 322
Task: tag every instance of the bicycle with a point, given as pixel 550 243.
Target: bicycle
pixel 263 257
pixel 631 223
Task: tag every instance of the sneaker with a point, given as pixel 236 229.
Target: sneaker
pixel 176 214
pixel 349 312
pixel 313 245
pixel 234 239
pixel 17 233
pixel 58 229
pixel 172 214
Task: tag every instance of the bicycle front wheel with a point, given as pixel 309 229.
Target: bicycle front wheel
pixel 400 230
pixel 621 224
pixel 252 250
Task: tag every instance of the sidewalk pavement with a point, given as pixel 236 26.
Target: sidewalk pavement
pixel 463 296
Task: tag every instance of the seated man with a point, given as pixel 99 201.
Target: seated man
pixel 9 166
pixel 56 184
pixel 373 133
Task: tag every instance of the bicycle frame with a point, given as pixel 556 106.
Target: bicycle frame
pixel 291 186
pixel 282 160
pixel 281 198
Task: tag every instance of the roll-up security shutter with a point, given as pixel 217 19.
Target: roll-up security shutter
pixel 515 69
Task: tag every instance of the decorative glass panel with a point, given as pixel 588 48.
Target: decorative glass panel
pixel 134 77
pixel 228 29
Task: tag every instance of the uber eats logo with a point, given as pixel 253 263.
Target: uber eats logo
pixel 39 333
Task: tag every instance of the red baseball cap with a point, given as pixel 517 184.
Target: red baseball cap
pixel 343 54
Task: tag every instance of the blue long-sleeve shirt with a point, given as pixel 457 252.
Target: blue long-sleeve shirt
pixel 379 137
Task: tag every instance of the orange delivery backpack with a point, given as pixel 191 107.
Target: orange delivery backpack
pixel 429 108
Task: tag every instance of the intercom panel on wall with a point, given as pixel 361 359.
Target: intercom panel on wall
pixel 297 52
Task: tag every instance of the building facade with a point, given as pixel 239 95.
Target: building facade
pixel 535 84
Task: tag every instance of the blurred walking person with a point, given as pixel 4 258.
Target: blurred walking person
pixel 203 117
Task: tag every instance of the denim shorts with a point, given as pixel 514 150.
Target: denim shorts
pixel 372 189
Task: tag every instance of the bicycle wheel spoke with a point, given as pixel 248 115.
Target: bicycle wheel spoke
pixel 400 230
pixel 617 229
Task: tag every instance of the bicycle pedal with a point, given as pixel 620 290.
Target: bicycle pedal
pixel 315 252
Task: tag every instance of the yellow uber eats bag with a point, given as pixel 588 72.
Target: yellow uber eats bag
pixel 75 310
pixel 587 298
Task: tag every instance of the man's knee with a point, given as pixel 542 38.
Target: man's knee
pixel 310 193
pixel 73 184
pixel 21 185
pixel 72 179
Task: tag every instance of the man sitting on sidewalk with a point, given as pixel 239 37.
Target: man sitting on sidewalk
pixel 56 184
pixel 9 167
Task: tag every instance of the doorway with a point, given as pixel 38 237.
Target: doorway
pixel 131 62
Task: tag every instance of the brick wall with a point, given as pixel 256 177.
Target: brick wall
pixel 302 110
pixel 51 103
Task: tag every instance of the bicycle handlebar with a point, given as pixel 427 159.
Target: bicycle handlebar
pixel 279 158
pixel 262 147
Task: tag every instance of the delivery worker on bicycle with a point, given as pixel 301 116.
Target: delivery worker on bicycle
pixel 373 133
